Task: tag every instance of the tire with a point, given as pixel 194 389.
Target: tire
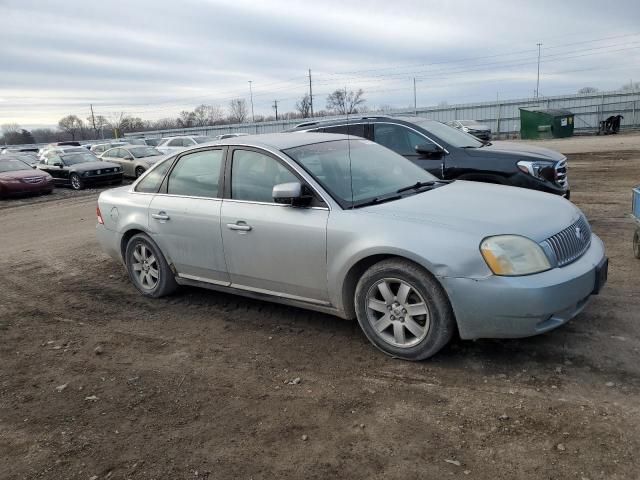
pixel 76 182
pixel 141 249
pixel 139 171
pixel 425 332
pixel 636 243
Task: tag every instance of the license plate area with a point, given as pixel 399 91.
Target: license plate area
pixel 602 273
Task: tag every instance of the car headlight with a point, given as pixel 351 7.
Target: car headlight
pixel 539 169
pixel 513 255
pixel 465 129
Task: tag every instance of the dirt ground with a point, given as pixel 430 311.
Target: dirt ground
pixel 199 385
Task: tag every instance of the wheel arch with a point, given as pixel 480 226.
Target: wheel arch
pixel 125 240
pixel 356 270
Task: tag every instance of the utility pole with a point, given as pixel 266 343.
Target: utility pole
pixel 415 103
pixel 275 106
pixel 93 119
pixel 310 93
pixel 253 118
pixel 538 80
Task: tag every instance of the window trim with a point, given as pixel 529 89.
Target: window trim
pixel 324 205
pixel 164 185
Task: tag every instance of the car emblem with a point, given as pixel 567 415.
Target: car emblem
pixel 579 233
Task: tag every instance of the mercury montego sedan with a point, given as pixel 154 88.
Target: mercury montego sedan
pixel 347 226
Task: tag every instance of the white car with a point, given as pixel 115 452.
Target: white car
pixel 174 144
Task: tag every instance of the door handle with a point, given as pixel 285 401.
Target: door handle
pixel 239 226
pixel 161 216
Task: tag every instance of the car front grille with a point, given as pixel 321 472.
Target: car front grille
pixel 571 243
pixel 561 174
pixel 33 179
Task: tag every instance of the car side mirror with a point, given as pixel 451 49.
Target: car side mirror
pixel 290 194
pixel 428 149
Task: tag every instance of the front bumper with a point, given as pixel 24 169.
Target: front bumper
pixel 24 188
pixel 104 178
pixel 524 180
pixel 513 307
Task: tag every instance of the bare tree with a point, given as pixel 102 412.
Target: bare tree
pixel 304 106
pixel 207 115
pixel 118 123
pixel 72 125
pixel 630 87
pixel 97 123
pixel 186 119
pixel 344 102
pixel 8 128
pixel 584 90
pixel 237 110
pixel 165 124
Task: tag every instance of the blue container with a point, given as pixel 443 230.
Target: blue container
pixel 635 203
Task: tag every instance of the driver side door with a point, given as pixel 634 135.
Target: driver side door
pixel 269 247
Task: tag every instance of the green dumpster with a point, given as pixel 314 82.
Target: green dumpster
pixel 545 123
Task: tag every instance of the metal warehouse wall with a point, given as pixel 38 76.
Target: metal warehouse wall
pixel 502 116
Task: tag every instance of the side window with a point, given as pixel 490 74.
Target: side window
pixel 253 176
pixel 111 153
pixel 398 138
pixel 354 129
pixel 196 175
pixel 176 142
pixel 151 182
pixel 123 154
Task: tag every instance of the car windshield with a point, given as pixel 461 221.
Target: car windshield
pixel 75 158
pixel 141 152
pixel 12 165
pixel 450 135
pixel 73 150
pixel 356 171
pixel 203 139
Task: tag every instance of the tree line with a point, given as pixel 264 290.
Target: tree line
pixel 94 127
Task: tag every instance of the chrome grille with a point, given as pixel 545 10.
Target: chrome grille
pixel 32 179
pixel 571 243
pixel 561 174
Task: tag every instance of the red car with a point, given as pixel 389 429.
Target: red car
pixel 18 178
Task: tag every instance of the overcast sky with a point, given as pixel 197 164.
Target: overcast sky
pixel 154 58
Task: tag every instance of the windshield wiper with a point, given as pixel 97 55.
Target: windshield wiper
pixel 376 201
pixel 416 186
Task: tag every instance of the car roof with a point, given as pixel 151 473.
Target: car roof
pixel 281 141
pixel 358 119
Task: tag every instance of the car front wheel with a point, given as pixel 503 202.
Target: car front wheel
pixel 139 171
pixel 403 310
pixel 147 268
pixel 76 182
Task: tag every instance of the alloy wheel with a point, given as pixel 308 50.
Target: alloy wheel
pixel 145 266
pixel 75 182
pixel 397 312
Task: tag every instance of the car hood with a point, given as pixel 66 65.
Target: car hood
pixel 153 159
pixel 483 209
pixel 99 165
pixel 516 149
pixel 478 128
pixel 20 174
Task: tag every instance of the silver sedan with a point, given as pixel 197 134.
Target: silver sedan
pixel 345 226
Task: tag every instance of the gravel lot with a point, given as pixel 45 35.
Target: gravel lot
pixel 98 382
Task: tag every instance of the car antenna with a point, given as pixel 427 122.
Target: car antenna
pixel 349 144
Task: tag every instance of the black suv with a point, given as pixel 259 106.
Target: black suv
pixel 449 153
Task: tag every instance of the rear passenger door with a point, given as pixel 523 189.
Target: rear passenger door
pixel 184 217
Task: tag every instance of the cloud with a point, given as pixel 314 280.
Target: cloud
pixel 154 59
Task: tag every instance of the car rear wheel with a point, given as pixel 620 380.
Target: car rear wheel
pixel 76 182
pixel 403 310
pixel 147 268
pixel 139 171
pixel 636 243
